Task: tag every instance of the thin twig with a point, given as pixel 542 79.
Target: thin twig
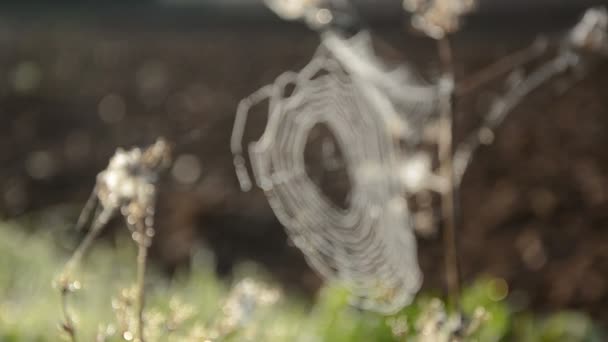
pixel 142 257
pixel 100 222
pixel 502 106
pixel 445 148
pixel 127 171
pixel 68 324
pixel 144 233
pixel 66 283
pixel 588 36
pixel 89 208
pixel 501 67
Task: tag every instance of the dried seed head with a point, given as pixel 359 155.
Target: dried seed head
pixel 129 181
pixel 591 32
pixel 436 18
pixel 158 156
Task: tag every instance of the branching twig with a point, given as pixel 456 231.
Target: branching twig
pixel 128 184
pixel 501 107
pixel 501 67
pixel 589 36
pixel 66 283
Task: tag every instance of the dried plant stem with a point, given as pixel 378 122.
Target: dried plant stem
pixel 66 283
pixel 445 150
pixel 501 67
pixel 85 245
pixel 68 324
pixel 142 258
pixel 503 105
pixel 87 210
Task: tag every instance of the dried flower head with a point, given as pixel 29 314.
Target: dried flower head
pixel 128 184
pixel 591 32
pixel 436 18
pixel 131 175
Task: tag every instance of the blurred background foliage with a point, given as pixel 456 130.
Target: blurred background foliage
pixel 187 307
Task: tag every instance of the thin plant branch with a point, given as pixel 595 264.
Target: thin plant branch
pixel 589 37
pixel 142 257
pixel 502 106
pixel 87 210
pixel 66 283
pixel 143 234
pixel 100 222
pixel 445 151
pixel 68 323
pixel 438 19
pixel 128 184
pixel 501 67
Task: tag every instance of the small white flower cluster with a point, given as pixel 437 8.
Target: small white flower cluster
pixel 417 175
pixel 243 302
pixel 129 181
pixel 436 18
pixel 123 181
pixel 437 325
pixel 160 324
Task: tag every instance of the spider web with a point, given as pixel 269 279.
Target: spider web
pixel 369 245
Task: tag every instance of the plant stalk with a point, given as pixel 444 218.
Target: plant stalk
pixel 446 153
pixel 65 281
pixel 142 257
